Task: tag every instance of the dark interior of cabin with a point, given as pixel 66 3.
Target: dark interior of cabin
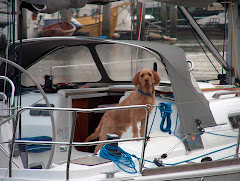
pixel 87 122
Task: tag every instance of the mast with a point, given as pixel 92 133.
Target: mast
pixel 233 48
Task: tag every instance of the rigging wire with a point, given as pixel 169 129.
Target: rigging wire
pixel 191 159
pixel 203 48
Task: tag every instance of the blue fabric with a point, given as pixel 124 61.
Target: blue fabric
pixel 36 148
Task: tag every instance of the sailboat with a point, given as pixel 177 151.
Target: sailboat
pixel 92 24
pixel 65 84
pixel 58 29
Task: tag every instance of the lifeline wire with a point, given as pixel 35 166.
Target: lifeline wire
pixel 183 139
pixel 203 50
pixel 202 155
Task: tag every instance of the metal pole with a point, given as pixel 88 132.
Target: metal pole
pixel 237 147
pixel 77 143
pixel 70 145
pixel 145 141
pixel 164 16
pixel 66 15
pixel 173 20
pixel 140 21
pixel 13 143
pixel 24 24
pixel 106 20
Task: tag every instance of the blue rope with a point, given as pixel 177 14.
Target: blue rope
pixel 166 110
pixel 221 135
pixel 123 159
pixel 196 142
pixel 202 155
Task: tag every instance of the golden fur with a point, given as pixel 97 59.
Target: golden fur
pixel 118 121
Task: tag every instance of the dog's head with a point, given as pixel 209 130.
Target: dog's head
pixel 146 78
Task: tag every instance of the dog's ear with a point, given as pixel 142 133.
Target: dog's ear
pixel 156 77
pixel 135 79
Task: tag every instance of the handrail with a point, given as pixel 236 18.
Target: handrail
pixel 71 143
pixel 28 142
pixel 218 94
pixel 192 65
pixel 4 95
pixel 14 115
pixel 13 89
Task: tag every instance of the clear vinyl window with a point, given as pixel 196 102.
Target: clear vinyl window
pixel 67 65
pixel 123 61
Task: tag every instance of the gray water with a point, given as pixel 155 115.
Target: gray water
pixel 203 68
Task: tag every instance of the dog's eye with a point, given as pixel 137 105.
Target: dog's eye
pixel 142 75
pixel 150 74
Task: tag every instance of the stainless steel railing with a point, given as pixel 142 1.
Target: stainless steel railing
pixel 71 143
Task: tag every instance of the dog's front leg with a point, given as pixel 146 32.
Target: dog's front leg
pixel 142 129
pixel 134 128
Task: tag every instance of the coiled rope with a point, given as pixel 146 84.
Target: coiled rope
pixel 124 158
pixel 166 110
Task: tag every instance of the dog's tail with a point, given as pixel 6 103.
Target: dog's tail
pixel 95 134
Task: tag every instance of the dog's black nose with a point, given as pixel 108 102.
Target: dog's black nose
pixel 146 80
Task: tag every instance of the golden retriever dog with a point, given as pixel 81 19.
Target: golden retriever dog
pixel 118 121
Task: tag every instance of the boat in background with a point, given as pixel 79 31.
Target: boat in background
pixel 49 21
pixel 58 29
pixel 214 21
pixel 92 24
